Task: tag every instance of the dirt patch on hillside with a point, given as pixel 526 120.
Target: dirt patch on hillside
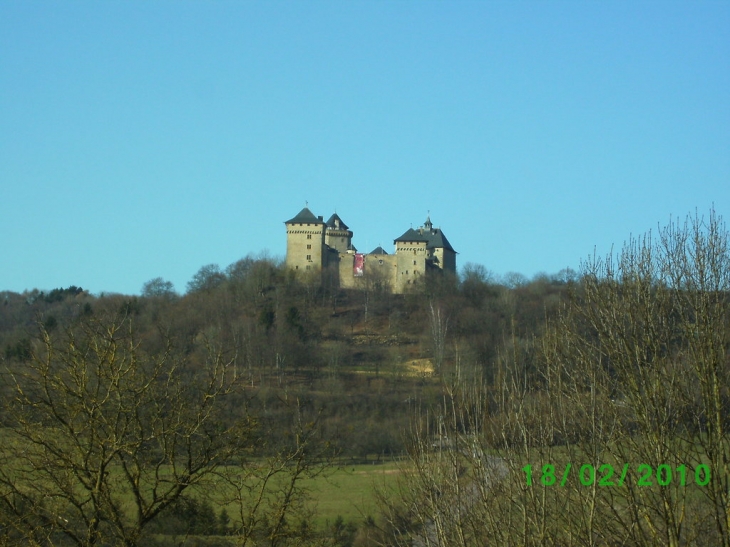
pixel 377 340
pixel 421 367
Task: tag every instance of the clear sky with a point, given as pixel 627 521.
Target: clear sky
pixel 146 139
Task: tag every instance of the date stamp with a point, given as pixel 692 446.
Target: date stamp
pixel 605 475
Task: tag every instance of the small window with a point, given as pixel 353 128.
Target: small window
pixel 309 247
pixel 414 262
pixel 414 251
pixel 309 257
pixel 380 261
pixel 309 236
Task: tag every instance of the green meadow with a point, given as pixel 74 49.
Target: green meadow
pixel 349 491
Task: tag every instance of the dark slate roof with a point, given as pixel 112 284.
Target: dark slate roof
pixel 438 239
pixel 305 216
pixel 378 251
pixel 434 238
pixel 331 222
pixel 412 235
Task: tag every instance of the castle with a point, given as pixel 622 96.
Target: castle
pixel 317 246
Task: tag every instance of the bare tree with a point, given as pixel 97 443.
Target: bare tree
pixel 439 324
pixel 158 287
pixel 612 426
pixel 100 436
pixel 270 500
pixel 638 361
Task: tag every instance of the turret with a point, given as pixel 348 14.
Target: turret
pixel 337 235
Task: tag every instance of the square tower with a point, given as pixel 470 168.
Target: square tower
pixel 411 251
pixel 305 241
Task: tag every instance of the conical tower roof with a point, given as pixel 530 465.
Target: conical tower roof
pixel 305 216
pixel 332 224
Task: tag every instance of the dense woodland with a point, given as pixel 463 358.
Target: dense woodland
pixel 141 420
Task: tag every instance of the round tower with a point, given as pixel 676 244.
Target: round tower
pixel 337 235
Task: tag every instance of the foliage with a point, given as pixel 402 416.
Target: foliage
pixel 158 287
pixel 59 294
pixel 206 279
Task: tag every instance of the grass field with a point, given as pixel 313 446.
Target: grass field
pixel 346 490
pixel 349 491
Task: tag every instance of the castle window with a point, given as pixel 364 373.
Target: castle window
pixel 309 247
pixel 309 236
pixel 380 261
pixel 309 257
pixel 414 262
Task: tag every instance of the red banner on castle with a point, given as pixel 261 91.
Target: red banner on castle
pixel 359 266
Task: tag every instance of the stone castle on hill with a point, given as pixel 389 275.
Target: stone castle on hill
pixel 318 246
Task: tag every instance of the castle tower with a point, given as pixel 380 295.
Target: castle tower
pixel 440 252
pixel 305 247
pixel 411 258
pixel 422 252
pixel 337 235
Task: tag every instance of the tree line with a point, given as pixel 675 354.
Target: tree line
pixel 120 412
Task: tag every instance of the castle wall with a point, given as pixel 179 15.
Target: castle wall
pixel 379 272
pixel 347 262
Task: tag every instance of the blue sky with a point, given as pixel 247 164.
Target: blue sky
pixel 147 139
